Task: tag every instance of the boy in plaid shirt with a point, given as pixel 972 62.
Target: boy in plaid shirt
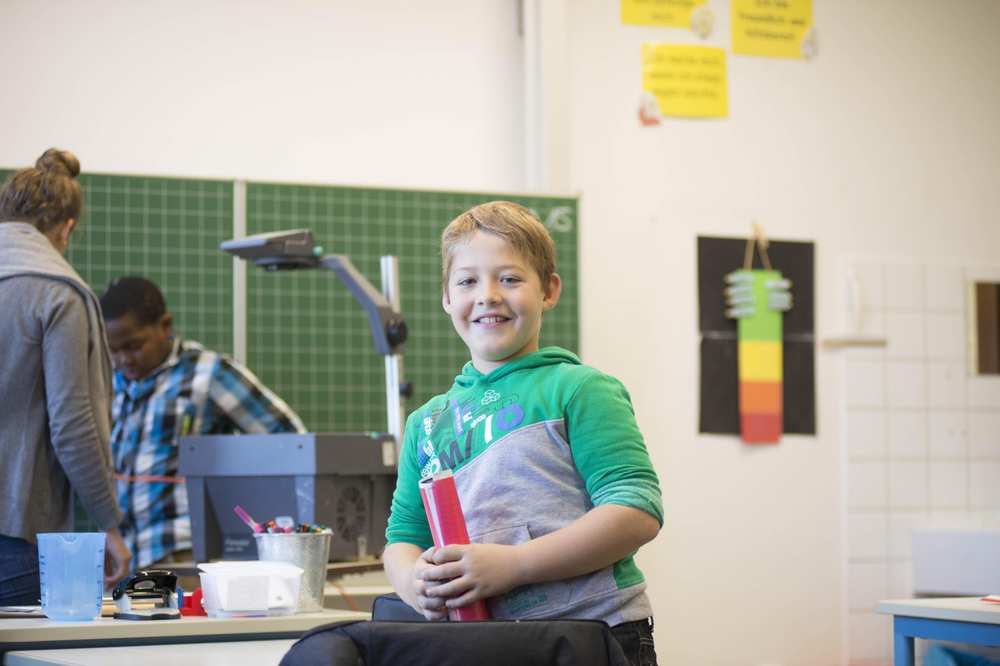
pixel 166 388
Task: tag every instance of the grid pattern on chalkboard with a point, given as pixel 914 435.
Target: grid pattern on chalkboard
pixel 167 230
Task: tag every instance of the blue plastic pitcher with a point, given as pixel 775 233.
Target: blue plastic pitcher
pixel 71 569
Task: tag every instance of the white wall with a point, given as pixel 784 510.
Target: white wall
pixel 393 93
pixel 922 439
pixel 886 144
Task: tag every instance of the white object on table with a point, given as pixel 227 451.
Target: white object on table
pixel 956 562
pixel 250 587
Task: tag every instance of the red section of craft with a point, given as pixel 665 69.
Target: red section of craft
pixel 761 428
pixel 447 522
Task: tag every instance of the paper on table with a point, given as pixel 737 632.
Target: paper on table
pixel 447 522
pixel 21 611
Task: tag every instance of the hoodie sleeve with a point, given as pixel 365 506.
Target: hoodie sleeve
pixel 407 521
pixel 608 449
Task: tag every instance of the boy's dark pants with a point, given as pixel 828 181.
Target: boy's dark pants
pixel 636 639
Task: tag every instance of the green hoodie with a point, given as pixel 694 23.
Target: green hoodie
pixel 534 445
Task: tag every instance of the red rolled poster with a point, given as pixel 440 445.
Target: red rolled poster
pixel 444 513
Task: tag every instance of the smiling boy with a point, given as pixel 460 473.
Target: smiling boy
pixel 553 474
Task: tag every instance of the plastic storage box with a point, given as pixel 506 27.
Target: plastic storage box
pixel 247 589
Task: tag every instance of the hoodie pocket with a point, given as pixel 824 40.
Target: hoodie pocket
pixel 506 536
pixel 535 600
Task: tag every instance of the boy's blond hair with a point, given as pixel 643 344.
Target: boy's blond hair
pixel 512 222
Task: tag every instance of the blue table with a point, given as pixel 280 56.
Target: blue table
pixel 960 619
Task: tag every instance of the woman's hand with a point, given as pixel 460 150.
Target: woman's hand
pixel 117 557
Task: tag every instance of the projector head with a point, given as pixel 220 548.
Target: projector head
pixel 277 250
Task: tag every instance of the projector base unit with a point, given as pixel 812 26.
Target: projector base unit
pixel 342 480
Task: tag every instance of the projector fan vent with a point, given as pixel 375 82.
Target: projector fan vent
pixel 351 515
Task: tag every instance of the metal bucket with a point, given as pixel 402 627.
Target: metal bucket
pixel 309 551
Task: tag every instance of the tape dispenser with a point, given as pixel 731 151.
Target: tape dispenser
pixel 156 585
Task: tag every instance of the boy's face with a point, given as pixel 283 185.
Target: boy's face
pixel 496 300
pixel 137 348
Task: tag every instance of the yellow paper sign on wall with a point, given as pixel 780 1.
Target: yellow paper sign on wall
pixel 687 81
pixel 665 13
pixel 773 28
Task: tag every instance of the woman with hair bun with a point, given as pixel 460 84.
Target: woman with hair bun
pixel 55 379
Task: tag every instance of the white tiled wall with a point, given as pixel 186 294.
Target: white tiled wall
pixel 922 436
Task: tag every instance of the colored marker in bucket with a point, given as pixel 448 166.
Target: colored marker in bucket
pixel 279 525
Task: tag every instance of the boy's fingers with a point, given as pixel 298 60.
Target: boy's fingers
pixel 463 600
pixel 451 589
pixel 426 589
pixel 442 572
pixel 448 554
pixel 428 554
pixel 430 603
pixel 435 615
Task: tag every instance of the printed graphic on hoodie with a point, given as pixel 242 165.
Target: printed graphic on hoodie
pixel 480 421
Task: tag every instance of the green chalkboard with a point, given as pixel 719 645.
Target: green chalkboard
pixel 309 340
pixel 167 230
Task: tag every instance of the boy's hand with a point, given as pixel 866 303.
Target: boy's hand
pixel 430 605
pixel 467 573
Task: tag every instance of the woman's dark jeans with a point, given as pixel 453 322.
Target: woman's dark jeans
pixel 636 639
pixel 18 572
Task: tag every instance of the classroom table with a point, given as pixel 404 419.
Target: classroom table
pixel 958 619
pixel 351 596
pixel 20 634
pixel 244 653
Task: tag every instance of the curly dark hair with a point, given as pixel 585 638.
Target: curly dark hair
pixel 133 295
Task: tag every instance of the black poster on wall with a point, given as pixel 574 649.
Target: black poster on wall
pixel 719 410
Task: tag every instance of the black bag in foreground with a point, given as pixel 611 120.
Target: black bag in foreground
pixel 493 643
pixel 390 607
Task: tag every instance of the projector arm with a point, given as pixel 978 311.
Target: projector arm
pixel 386 323
pixel 287 250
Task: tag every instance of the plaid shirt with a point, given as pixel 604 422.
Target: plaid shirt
pixel 193 392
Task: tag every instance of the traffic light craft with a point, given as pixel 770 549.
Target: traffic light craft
pixel 756 299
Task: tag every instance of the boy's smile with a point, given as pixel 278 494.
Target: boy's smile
pixel 496 299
